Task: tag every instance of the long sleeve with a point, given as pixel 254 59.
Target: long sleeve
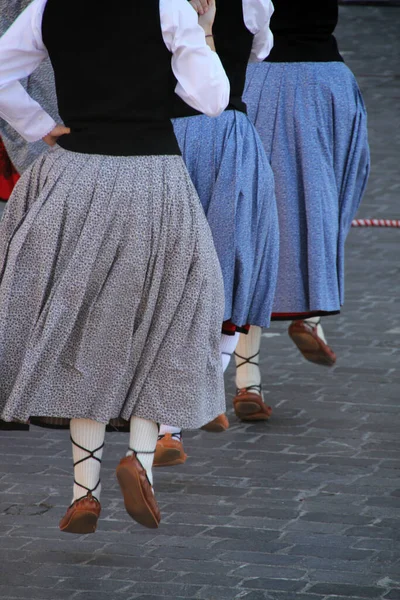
pixel 257 17
pixel 202 81
pixel 21 52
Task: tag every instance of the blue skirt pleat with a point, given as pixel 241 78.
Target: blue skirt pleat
pixel 230 171
pixel 313 125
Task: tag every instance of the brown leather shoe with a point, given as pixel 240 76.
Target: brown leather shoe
pixel 313 348
pixel 82 516
pixel 169 451
pixel 139 499
pixel 250 406
pixel 218 425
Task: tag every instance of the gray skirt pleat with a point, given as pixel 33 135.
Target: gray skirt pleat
pixel 111 294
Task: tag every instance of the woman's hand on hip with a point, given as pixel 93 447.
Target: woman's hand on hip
pixel 52 137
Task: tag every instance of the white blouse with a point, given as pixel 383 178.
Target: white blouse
pixel 257 16
pixel 202 81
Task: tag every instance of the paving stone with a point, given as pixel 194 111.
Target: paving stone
pixel 275 584
pixel 216 593
pixel 318 539
pixel 99 596
pixel 392 595
pixel 209 579
pixel 255 558
pixel 31 593
pixel 292 596
pixel 250 545
pixel 269 571
pixel 349 591
pixel 151 597
pixel 331 552
pixel 193 553
pixel 167 589
pixel 347 577
pixel 195 566
pixel 323 517
pixel 342 564
pixel 93 585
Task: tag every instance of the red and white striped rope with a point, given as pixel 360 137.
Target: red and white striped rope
pixel 375 223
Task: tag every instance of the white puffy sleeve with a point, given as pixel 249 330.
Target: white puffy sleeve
pixel 257 16
pixel 202 81
pixel 21 52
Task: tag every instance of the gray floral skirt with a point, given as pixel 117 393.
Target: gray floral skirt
pixel 111 295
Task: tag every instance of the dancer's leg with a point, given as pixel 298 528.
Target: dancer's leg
pixel 87 448
pixel 228 346
pixel 142 442
pixel 248 376
pixel 134 473
pixel 248 402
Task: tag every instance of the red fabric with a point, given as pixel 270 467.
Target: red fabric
pixel 8 175
pixel 229 328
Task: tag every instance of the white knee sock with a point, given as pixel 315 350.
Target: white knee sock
pixel 143 439
pixel 227 346
pixel 248 375
pixel 90 435
pixel 317 322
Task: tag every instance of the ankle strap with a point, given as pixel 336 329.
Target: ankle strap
pixel 91 454
pixel 177 435
pixel 247 360
pixel 312 324
pixel 251 387
pixel 136 452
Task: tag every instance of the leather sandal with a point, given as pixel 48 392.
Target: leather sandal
pixel 248 402
pixel 169 450
pixel 83 514
pixel 249 406
pixel 137 491
pixel 217 425
pixel 313 348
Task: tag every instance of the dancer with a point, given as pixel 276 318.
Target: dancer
pixel 40 85
pixel 111 295
pixel 308 110
pixel 16 154
pixel 230 171
pixel 8 174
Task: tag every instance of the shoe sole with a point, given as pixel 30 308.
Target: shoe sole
pixel 135 502
pixel 81 522
pixel 312 350
pixel 214 427
pixel 169 458
pixel 250 411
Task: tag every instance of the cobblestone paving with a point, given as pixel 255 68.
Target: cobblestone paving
pixel 303 508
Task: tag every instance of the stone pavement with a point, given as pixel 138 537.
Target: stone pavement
pixel 306 507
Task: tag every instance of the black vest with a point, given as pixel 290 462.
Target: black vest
pixel 115 86
pixel 303 31
pixel 233 42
